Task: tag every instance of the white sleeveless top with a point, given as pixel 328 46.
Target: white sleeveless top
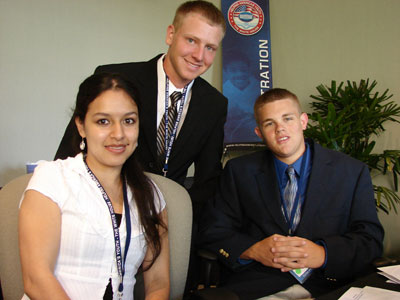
pixel 86 258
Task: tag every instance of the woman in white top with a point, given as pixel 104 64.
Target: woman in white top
pixel 89 222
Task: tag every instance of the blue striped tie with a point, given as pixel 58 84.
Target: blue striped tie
pixel 289 196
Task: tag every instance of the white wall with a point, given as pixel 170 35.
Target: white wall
pixel 47 47
pixel 316 41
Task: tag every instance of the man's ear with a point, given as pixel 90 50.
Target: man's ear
pixel 170 35
pixel 80 126
pixel 304 120
pixel 258 132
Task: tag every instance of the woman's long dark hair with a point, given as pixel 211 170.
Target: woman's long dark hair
pixel 140 184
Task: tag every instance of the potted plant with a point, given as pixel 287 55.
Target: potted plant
pixel 349 118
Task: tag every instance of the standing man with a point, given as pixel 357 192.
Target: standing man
pixel 296 218
pixel 173 136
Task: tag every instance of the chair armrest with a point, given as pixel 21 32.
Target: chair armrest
pixel 384 261
pixel 207 254
pixel 209 268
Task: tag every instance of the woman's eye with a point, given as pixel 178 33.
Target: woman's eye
pixel 102 122
pixel 130 121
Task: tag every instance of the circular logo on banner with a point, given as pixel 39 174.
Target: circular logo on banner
pixel 246 17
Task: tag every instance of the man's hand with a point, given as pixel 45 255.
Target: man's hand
pixel 267 250
pixel 295 252
pixel 286 253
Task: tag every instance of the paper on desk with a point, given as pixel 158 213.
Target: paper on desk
pixel 391 272
pixel 351 294
pixel 370 293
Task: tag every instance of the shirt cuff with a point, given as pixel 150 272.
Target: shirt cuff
pixel 323 244
pixel 244 261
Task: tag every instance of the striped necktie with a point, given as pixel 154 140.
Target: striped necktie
pixel 289 196
pixel 172 114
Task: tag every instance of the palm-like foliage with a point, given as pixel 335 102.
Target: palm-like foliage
pixel 348 118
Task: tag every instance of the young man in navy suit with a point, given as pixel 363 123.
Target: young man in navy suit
pixel 193 39
pixel 296 218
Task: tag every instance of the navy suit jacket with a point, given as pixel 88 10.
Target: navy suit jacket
pixel 339 209
pixel 200 140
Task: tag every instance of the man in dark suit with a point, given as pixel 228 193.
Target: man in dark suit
pixel 304 233
pixel 193 39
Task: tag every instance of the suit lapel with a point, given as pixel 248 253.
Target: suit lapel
pixel 316 189
pixel 269 191
pixel 193 117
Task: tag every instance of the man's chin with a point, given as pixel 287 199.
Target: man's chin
pixel 189 76
pixel 192 72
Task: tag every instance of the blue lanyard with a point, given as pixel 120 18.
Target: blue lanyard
pixel 300 190
pixel 170 140
pixel 120 260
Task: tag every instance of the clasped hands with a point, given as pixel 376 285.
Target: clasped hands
pixel 286 253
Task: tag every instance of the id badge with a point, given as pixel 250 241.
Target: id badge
pixel 301 275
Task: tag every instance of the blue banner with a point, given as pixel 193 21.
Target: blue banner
pixel 247 72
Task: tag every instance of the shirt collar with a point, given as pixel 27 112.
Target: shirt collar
pixel 76 163
pixel 281 166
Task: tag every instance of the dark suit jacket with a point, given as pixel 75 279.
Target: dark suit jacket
pixel 339 209
pixel 200 139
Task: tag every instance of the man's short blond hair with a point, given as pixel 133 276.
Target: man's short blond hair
pixel 203 8
pixel 272 95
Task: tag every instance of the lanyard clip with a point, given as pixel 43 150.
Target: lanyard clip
pixel 165 172
pixel 119 295
pixel 120 291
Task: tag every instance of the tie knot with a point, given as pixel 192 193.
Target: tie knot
pixel 175 97
pixel 290 170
